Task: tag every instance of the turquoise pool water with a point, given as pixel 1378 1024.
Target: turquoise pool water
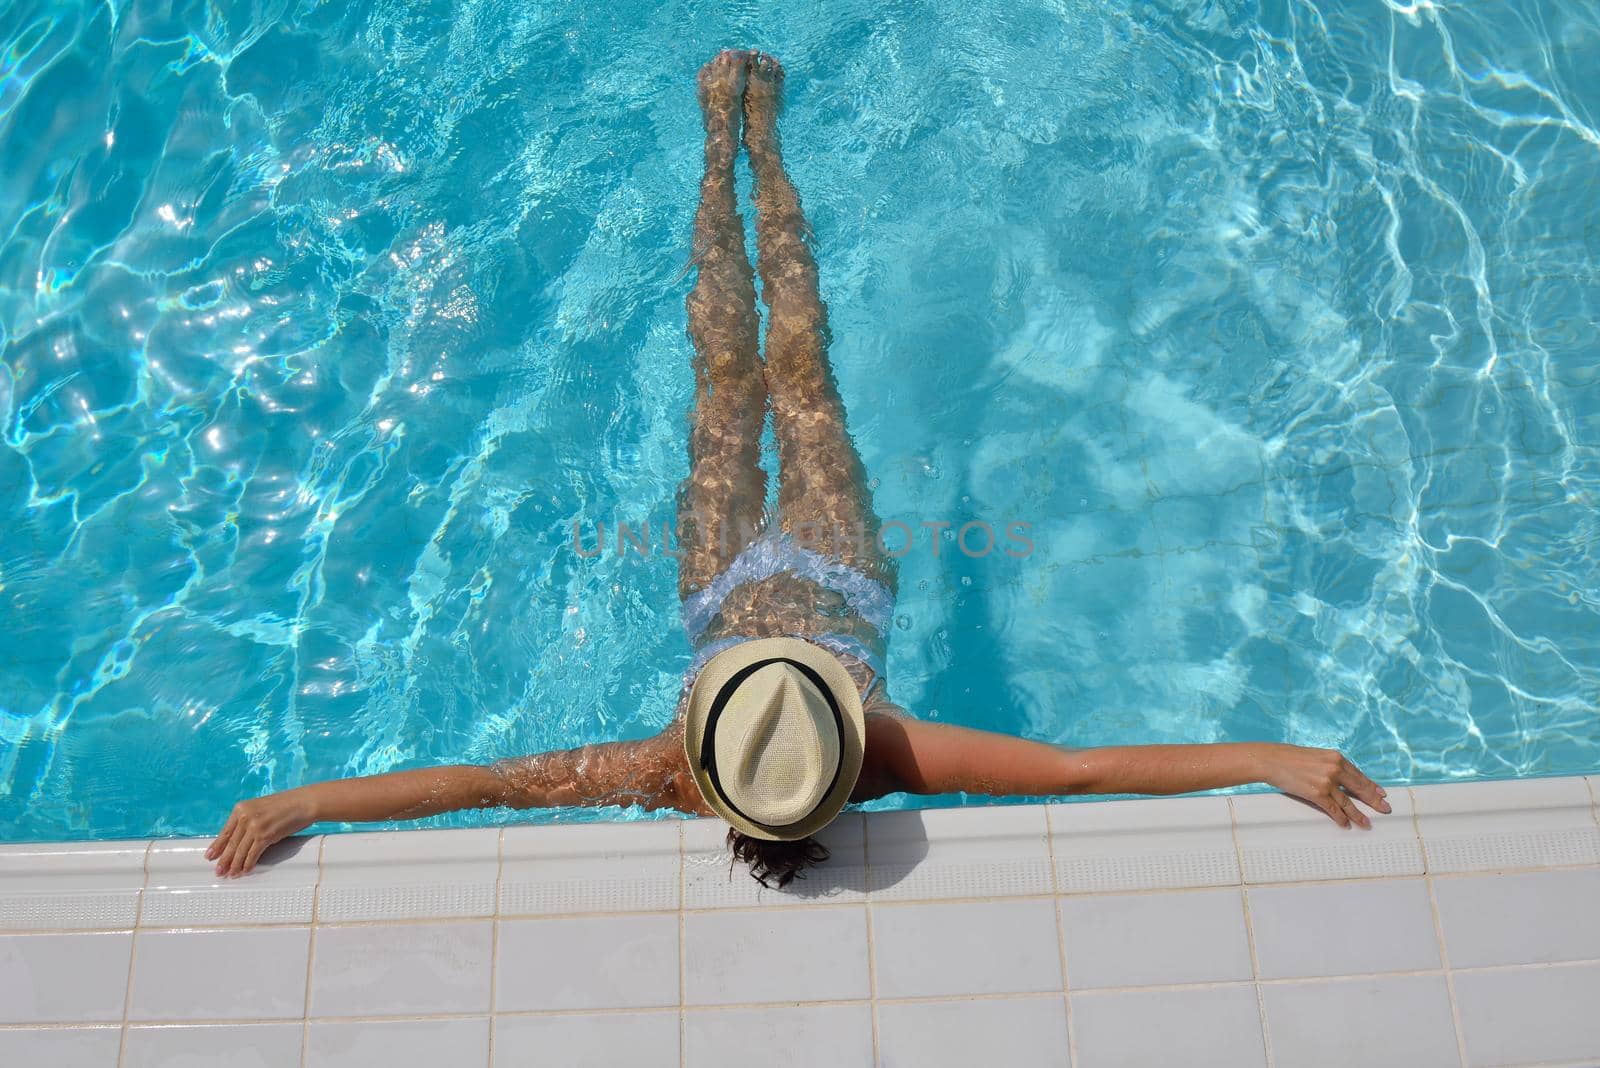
pixel 321 324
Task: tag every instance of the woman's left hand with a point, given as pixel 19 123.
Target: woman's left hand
pixel 256 824
pixel 1325 778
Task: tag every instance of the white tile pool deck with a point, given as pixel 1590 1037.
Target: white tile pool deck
pixel 1232 931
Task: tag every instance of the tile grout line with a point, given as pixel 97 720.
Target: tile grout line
pixel 1250 937
pixel 1308 980
pixel 311 955
pixel 494 935
pixel 872 956
pixel 1301 980
pixel 735 1006
pixel 1594 799
pixel 1438 930
pixel 798 903
pixel 683 955
pixel 133 951
pixel 1061 934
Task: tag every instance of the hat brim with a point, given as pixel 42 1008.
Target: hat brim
pixel 853 735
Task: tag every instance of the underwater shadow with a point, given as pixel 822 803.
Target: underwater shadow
pixel 969 689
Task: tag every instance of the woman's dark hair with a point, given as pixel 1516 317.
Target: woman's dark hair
pixel 782 861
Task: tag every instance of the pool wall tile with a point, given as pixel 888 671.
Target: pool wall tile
pixel 1188 936
pixel 402 969
pixel 81 977
pixel 1343 928
pixel 599 1040
pixel 70 885
pixel 184 889
pixel 1031 1031
pixel 587 962
pixel 409 875
pixel 1197 1027
pixel 1524 823
pixel 397 1043
pixel 233 1045
pixel 1392 1019
pixel 948 949
pixel 1520 917
pixel 773 955
pixel 1284 840
pixel 1164 843
pixel 60 1047
pixel 712 879
pixel 591 867
pixel 1530 1015
pixel 1000 851
pixel 229 974
pixel 791 1035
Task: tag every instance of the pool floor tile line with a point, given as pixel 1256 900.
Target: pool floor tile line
pixel 1074 863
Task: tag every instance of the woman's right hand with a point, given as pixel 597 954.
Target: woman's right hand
pixel 256 824
pixel 1325 778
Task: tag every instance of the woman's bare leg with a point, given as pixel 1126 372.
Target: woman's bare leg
pixel 822 489
pixel 720 503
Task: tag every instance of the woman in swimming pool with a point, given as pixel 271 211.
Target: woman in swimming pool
pixel 783 717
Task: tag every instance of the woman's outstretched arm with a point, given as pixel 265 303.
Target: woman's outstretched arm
pixel 645 772
pixel 936 758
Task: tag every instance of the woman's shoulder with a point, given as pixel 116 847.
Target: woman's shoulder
pixel 670 765
pixel 884 720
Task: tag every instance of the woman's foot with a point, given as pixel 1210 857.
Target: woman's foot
pixel 722 85
pixel 763 98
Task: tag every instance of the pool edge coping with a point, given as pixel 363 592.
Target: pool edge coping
pixel 529 871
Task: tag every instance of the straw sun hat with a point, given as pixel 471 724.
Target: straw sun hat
pixel 774 733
